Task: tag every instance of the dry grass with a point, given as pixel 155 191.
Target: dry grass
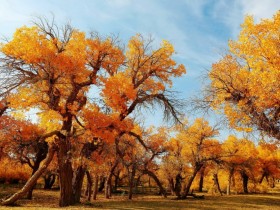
pixel 49 200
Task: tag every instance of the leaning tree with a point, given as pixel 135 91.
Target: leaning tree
pixel 245 82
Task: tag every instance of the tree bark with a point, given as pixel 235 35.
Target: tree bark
pixel 78 183
pixel 245 180
pixel 30 192
pixel 89 186
pixel 201 179
pixel 117 179
pixel 32 181
pixel 79 174
pixel 95 191
pixel 41 154
pixel 231 171
pixel 272 185
pixel 108 188
pixel 102 183
pixel 216 183
pixel 131 180
pixel 178 185
pixel 65 173
pixel 171 186
pixel 108 182
pixel 137 183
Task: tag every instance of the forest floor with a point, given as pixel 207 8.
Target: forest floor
pixel 48 199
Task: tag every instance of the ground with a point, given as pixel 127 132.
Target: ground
pixel 49 200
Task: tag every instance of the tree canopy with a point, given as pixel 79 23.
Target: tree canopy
pixel 245 82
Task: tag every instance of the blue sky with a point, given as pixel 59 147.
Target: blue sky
pixel 199 29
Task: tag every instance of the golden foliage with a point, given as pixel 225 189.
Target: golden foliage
pixel 245 82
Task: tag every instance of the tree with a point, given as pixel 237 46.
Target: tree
pixel 32 181
pixel 23 141
pixel 245 82
pixel 138 150
pixel 200 147
pixel 240 156
pixel 174 166
pixel 53 69
pixel 188 152
pixel 267 165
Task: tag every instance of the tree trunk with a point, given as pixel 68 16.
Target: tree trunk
pixel 89 186
pixel 32 181
pixel 86 151
pixel 231 171
pixel 216 183
pixel 78 183
pixel 49 181
pixel 108 188
pixel 108 182
pixel 137 183
pixel 152 175
pixel 190 181
pixel 171 186
pixel 65 173
pixel 201 179
pixel 245 180
pixel 178 185
pixel 189 184
pixel 131 181
pixel 117 179
pixel 102 183
pixel 30 192
pixel 41 154
pixel 272 185
pixel 95 191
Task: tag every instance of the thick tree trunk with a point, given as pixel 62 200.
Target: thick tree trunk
pixel 89 186
pixel 245 180
pixel 152 175
pixel 216 183
pixel 32 181
pixel 65 173
pixel 95 191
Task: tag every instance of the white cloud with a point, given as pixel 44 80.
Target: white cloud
pixel 232 13
pixel 259 8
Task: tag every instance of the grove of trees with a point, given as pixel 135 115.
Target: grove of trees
pixel 87 92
